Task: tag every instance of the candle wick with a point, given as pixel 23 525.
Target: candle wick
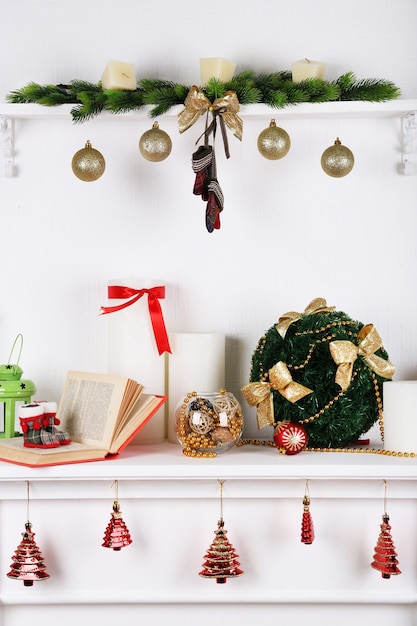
pixel 125 75
pixel 308 60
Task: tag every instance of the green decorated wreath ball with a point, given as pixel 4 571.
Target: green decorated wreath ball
pixel 324 371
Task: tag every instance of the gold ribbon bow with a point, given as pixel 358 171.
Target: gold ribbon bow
pixel 318 305
pixel 196 104
pixel 259 393
pixel 345 353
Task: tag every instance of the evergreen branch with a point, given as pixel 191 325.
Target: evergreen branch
pixel 345 81
pixel 371 90
pixel 122 101
pixel 47 95
pixel 92 103
pixel 276 90
pixel 163 94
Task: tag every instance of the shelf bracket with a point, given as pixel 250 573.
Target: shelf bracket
pixel 6 127
pixel 409 144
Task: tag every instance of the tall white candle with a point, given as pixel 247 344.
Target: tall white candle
pixel 196 363
pixel 132 352
pixel 305 68
pixel 216 68
pixel 400 415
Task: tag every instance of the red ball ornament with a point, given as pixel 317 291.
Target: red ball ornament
pixel 290 437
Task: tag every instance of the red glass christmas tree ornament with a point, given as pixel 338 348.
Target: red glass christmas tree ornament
pixel 221 558
pixel 290 437
pixel 116 535
pixel 385 556
pixel 27 561
pixel 307 526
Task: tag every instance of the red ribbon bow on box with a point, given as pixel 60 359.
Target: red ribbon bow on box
pixel 155 311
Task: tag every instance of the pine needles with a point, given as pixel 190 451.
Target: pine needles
pixel 276 90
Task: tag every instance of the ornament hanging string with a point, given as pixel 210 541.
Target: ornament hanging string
pixel 27 501
pixel 154 295
pixel 221 498
pixel 212 128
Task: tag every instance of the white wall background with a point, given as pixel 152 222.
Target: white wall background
pixel 289 232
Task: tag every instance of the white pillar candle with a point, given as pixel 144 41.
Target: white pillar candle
pixel 304 68
pixel 196 363
pixel 400 415
pixel 119 75
pixel 132 352
pixel 216 68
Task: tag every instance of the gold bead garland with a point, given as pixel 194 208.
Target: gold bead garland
pixel 267 442
pixel 202 444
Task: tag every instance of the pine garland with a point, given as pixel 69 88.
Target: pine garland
pixel 276 90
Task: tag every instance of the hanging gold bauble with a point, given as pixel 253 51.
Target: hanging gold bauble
pixel 337 160
pixel 274 142
pixel 155 144
pixel 88 164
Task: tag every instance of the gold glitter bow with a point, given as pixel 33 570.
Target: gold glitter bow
pixel 196 104
pixel 345 353
pixel 318 305
pixel 259 393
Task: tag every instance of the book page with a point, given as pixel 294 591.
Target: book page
pixel 90 405
pixel 142 411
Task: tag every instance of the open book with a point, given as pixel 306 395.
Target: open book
pixel 100 412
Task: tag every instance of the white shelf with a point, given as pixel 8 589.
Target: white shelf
pixel 403 109
pixel 392 108
pixel 162 471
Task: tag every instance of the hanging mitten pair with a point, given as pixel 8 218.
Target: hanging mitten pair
pixel 207 186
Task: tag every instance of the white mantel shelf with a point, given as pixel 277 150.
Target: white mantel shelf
pixel 162 471
pixel 166 462
pixel 392 108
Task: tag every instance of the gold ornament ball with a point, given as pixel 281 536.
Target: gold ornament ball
pixel 337 160
pixel 88 164
pixel 155 144
pixel 274 142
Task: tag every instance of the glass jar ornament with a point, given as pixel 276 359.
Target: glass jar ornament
pixel 274 142
pixel 88 164
pixel 14 391
pixel 337 160
pixel 208 423
pixel 155 144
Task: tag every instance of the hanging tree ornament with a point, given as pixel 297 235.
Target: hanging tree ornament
pixel 337 160
pixel 224 110
pixel 274 142
pixel 307 527
pixel 27 562
pixel 221 558
pixel 385 556
pixel 116 535
pixel 88 164
pixel 155 144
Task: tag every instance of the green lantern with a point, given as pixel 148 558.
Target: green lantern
pixel 14 391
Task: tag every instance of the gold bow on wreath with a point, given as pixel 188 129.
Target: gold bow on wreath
pixel 318 305
pixel 345 353
pixel 196 104
pixel 260 393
